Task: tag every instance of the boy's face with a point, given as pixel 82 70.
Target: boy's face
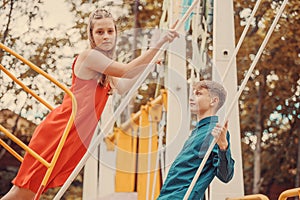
pixel 200 101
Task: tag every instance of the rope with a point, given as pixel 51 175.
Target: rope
pixel 160 146
pixel 270 31
pixel 186 4
pixel 119 110
pixel 149 156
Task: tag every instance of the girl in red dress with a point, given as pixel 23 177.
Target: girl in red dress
pixel 94 74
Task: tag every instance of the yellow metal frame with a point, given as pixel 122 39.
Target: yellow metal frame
pixel 251 197
pixel 49 165
pixel 289 193
pixel 133 173
pixel 161 99
pixel 295 192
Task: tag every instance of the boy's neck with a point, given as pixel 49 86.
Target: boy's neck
pixel 204 115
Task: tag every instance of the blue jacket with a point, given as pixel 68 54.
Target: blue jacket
pixel 187 162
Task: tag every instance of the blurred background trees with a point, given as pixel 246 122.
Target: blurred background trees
pixel 269 106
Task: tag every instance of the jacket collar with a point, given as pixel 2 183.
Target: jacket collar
pixel 207 120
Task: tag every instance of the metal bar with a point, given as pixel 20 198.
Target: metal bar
pixel 251 197
pixel 24 146
pixel 25 87
pixel 289 193
pixel 11 150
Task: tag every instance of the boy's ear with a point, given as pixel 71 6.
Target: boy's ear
pixel 214 100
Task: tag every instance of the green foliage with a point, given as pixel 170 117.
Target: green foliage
pixel 272 94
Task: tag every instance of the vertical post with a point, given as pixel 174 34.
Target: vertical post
pixel 176 84
pixel 90 179
pixel 224 43
pixel 99 175
pixel 155 114
pixel 107 159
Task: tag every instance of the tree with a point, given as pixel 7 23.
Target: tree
pixel 39 45
pixel 269 106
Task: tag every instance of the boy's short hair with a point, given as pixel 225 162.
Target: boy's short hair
pixel 214 88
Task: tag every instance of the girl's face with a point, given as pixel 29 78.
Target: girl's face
pixel 104 34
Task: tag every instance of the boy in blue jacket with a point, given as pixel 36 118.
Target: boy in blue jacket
pixel 207 98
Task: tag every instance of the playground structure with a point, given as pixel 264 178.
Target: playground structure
pixel 49 165
pixel 283 196
pixel 154 115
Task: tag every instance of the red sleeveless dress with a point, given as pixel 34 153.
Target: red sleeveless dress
pixel 91 99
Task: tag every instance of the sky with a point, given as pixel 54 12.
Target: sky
pixel 57 13
pixel 58 10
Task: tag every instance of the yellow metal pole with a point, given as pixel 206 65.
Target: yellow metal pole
pixel 11 151
pixel 24 146
pixel 251 197
pixel 135 128
pixel 35 68
pixel 289 193
pixel 25 87
pixel 60 145
pixel 158 100
pixel 164 95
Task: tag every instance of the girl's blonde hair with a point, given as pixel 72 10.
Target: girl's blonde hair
pixel 100 13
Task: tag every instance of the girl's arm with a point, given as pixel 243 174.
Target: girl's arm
pixel 92 62
pixel 122 85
